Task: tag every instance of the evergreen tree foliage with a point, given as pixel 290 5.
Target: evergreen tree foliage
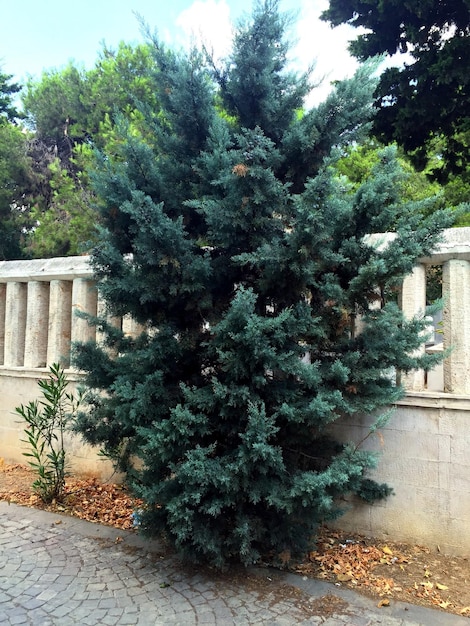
pixel 13 170
pixel 228 234
pixel 8 91
pixel 427 98
pixel 13 178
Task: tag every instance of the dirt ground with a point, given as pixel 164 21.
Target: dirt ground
pixel 386 572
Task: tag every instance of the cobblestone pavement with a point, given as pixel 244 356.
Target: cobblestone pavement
pixel 60 570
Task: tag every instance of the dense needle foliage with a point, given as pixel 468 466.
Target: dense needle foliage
pixel 229 236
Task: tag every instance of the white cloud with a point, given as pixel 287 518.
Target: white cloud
pixel 328 48
pixel 208 22
pixel 316 43
pixel 323 46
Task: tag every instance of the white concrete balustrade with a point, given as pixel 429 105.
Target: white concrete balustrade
pixel 39 299
pixel 454 257
pixel 38 302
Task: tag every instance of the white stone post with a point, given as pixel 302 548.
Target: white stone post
pixel 456 325
pixel 413 302
pixel 131 328
pixel 15 323
pixel 3 296
pixel 102 312
pixel 60 322
pixel 37 323
pixel 84 299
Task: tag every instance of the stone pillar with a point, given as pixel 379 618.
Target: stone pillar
pixel 60 322
pixel 413 303
pixel 3 296
pixel 131 328
pixel 103 313
pixel 84 299
pixel 37 323
pixel 456 325
pixel 15 323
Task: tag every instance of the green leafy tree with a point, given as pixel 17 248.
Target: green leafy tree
pixel 67 226
pixel 428 97
pixel 228 235
pixel 14 167
pixel 72 111
pixel 56 109
pixel 14 178
pixel 360 160
pixel 8 91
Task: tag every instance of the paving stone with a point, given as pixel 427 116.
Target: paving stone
pixel 74 574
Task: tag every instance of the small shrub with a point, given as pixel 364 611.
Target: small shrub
pixel 47 420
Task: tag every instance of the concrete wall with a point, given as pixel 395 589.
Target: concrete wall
pixel 19 386
pixel 424 456
pixel 38 322
pixel 425 448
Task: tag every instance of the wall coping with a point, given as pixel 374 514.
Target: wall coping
pixel 37 373
pixel 58 268
pixel 423 399
pixel 455 245
pixel 435 399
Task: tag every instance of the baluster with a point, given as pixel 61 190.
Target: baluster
pixel 84 299
pixel 37 323
pixel 456 325
pixel 15 323
pixel 60 322
pixel 3 296
pixel 413 303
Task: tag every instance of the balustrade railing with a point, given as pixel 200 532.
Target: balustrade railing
pixel 454 257
pixel 39 298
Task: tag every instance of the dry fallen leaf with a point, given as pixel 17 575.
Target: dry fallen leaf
pixel 441 587
pixel 342 578
pixel 386 550
pixel 384 602
pixel 285 556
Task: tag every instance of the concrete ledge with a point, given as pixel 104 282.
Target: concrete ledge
pixel 59 268
pixel 36 373
pixel 435 399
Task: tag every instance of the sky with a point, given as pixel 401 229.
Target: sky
pixel 38 35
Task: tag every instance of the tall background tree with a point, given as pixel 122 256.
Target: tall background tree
pixel 14 170
pixel 71 112
pixel 424 105
pixel 227 233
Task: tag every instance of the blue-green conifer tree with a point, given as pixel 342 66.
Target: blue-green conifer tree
pixel 230 238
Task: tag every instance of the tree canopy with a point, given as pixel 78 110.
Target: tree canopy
pixel 428 98
pixel 8 91
pixel 228 236
pixel 14 170
pixel 71 112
